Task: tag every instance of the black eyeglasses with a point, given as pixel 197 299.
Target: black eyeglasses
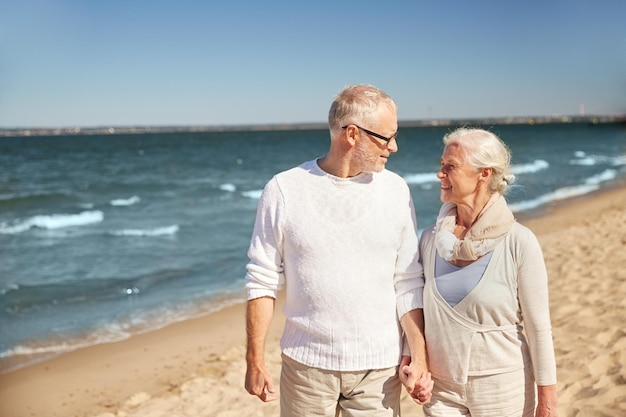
pixel 376 135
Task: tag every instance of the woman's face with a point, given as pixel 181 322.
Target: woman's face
pixel 459 180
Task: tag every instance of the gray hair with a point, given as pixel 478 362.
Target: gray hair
pixel 356 104
pixel 484 149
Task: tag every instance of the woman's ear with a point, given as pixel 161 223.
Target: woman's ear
pixel 485 173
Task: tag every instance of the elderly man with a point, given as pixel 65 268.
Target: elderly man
pixel 339 235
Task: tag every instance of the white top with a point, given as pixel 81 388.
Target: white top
pixel 346 251
pixel 453 282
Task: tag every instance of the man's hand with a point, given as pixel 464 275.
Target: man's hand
pixel 418 384
pixel 259 383
pixel 259 313
pixel 413 371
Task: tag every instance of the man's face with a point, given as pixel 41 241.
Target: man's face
pixel 372 153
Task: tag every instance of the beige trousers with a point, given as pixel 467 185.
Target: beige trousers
pixel 510 394
pixel 306 392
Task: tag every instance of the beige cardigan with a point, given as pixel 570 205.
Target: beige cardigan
pixel 484 334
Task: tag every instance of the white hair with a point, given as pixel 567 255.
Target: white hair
pixel 357 104
pixel 484 149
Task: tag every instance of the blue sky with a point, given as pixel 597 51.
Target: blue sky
pixel 121 63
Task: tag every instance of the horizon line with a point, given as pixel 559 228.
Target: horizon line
pixel 442 122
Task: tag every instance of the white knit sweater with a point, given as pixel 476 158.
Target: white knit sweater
pixel 345 250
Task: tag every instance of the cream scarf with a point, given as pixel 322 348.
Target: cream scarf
pixel 492 224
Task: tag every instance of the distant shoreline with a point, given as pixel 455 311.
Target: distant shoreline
pixel 113 130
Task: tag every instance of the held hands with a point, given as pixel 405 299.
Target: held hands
pixel 259 383
pixel 418 384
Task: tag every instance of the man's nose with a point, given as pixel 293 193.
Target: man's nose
pixel 392 145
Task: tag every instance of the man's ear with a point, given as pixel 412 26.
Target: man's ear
pixel 350 134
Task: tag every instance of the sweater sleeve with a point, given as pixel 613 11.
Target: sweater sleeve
pixel 535 307
pixel 265 275
pixel 409 274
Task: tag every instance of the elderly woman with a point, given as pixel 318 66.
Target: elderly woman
pixel 486 308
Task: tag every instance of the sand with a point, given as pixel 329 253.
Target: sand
pixel 196 367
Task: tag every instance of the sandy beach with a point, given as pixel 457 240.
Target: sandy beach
pixel 196 368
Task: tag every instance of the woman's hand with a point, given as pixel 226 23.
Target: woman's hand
pixel 418 383
pixel 547 402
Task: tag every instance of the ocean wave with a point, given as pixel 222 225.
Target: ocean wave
pixel 159 231
pixel 52 221
pixel 228 187
pixel 583 159
pixel 125 201
pixel 27 353
pixel 606 175
pixel 22 350
pixel 531 168
pixel 8 287
pixel 586 161
pixel 591 160
pixel 26 297
pixel 35 351
pixel 425 177
pixel 560 194
pixel 591 184
pixel 619 160
pixel 63 346
pixel 421 178
pixel 254 194
pixel 31 196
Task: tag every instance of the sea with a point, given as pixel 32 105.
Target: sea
pixel 106 236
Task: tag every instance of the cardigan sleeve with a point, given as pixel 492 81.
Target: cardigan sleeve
pixel 535 307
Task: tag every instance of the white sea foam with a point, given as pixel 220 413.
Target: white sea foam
pixel 228 187
pixel 531 168
pixel 8 287
pixel 37 350
pixel 426 177
pixel 254 194
pixel 590 160
pixel 586 161
pixel 52 221
pixel 125 201
pixel 110 333
pixel 560 194
pixel 159 231
pixel 619 160
pixel 27 353
pixel 606 175
pixel 421 178
pixel 591 184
